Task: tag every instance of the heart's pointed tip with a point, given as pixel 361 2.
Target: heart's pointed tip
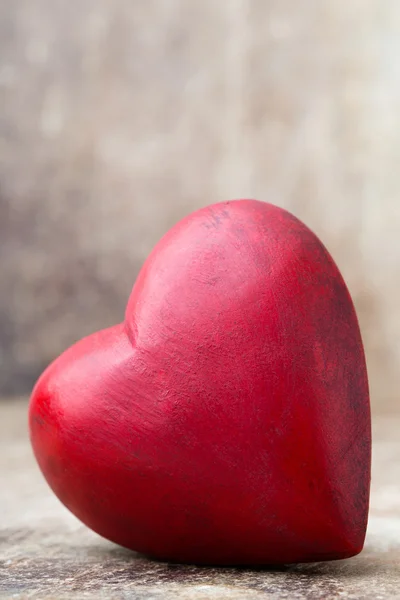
pixel 262 557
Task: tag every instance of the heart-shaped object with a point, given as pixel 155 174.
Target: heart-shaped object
pixel 227 420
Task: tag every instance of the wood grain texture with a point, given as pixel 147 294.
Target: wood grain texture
pixel 226 421
pixel 117 119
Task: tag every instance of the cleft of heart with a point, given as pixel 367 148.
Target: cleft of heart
pixel 226 421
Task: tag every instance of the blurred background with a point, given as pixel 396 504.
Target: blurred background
pixel 117 118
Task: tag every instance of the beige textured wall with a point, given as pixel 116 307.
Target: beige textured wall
pixel 119 117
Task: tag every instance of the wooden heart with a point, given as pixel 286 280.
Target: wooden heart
pixel 227 420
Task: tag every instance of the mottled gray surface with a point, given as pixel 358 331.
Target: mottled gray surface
pixel 45 553
pixel 119 117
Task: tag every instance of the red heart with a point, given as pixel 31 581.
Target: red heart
pixel 227 419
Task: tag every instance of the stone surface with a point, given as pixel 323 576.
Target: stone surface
pixel 117 118
pixel 45 553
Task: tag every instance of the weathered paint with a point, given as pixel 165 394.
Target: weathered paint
pixel 227 420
